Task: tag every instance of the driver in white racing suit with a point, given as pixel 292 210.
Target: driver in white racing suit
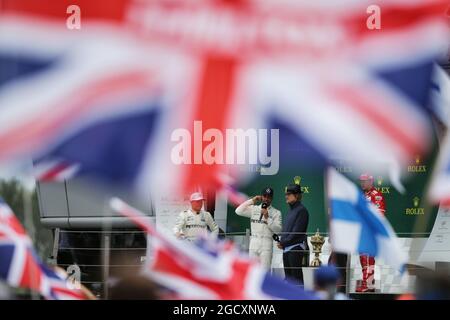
pixel 194 221
pixel 264 223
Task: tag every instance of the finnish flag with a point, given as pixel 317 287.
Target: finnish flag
pixel 356 225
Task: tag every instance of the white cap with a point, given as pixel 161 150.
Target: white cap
pixel 196 196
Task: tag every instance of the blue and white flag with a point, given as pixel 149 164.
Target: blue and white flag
pixel 356 225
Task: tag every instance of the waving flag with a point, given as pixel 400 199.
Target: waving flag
pixel 356 225
pixel 440 95
pixel 209 269
pixel 439 189
pixel 111 107
pixel 226 184
pixel 54 170
pixel 21 267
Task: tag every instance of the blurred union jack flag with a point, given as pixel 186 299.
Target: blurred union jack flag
pixel 20 267
pixel 439 190
pixel 108 108
pixel 209 269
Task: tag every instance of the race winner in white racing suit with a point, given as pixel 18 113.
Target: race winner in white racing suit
pixel 264 223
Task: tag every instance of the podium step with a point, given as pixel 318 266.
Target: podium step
pixel 373 296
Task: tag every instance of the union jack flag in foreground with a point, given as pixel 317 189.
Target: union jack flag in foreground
pixel 20 266
pixel 209 269
pixel 108 108
pixel 439 190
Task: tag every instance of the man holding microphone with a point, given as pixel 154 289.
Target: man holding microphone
pixel 265 220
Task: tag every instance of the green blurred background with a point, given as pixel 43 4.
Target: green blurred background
pixel 403 210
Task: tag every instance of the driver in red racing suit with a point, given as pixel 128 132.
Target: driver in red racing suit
pixel 367 262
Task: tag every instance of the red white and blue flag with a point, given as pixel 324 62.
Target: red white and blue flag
pixel 108 108
pixel 439 188
pixel 208 269
pixel 20 267
pixel 54 170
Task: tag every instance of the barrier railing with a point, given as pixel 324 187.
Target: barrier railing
pixel 101 255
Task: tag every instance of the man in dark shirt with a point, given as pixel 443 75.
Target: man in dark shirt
pixel 293 238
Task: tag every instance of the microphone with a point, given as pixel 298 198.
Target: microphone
pixel 263 206
pixel 276 237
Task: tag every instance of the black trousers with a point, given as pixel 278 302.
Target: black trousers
pixel 293 261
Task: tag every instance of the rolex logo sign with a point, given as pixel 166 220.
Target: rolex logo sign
pixel 415 209
pixel 418 166
pixel 298 181
pixel 379 181
pixel 379 185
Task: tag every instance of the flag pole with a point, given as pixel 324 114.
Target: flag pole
pixel 27 198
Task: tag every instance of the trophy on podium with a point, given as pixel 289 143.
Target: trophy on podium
pixel 317 242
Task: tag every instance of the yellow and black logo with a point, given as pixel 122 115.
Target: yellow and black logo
pixel 418 166
pixel 380 187
pixel 379 181
pixel 416 209
pixel 297 181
